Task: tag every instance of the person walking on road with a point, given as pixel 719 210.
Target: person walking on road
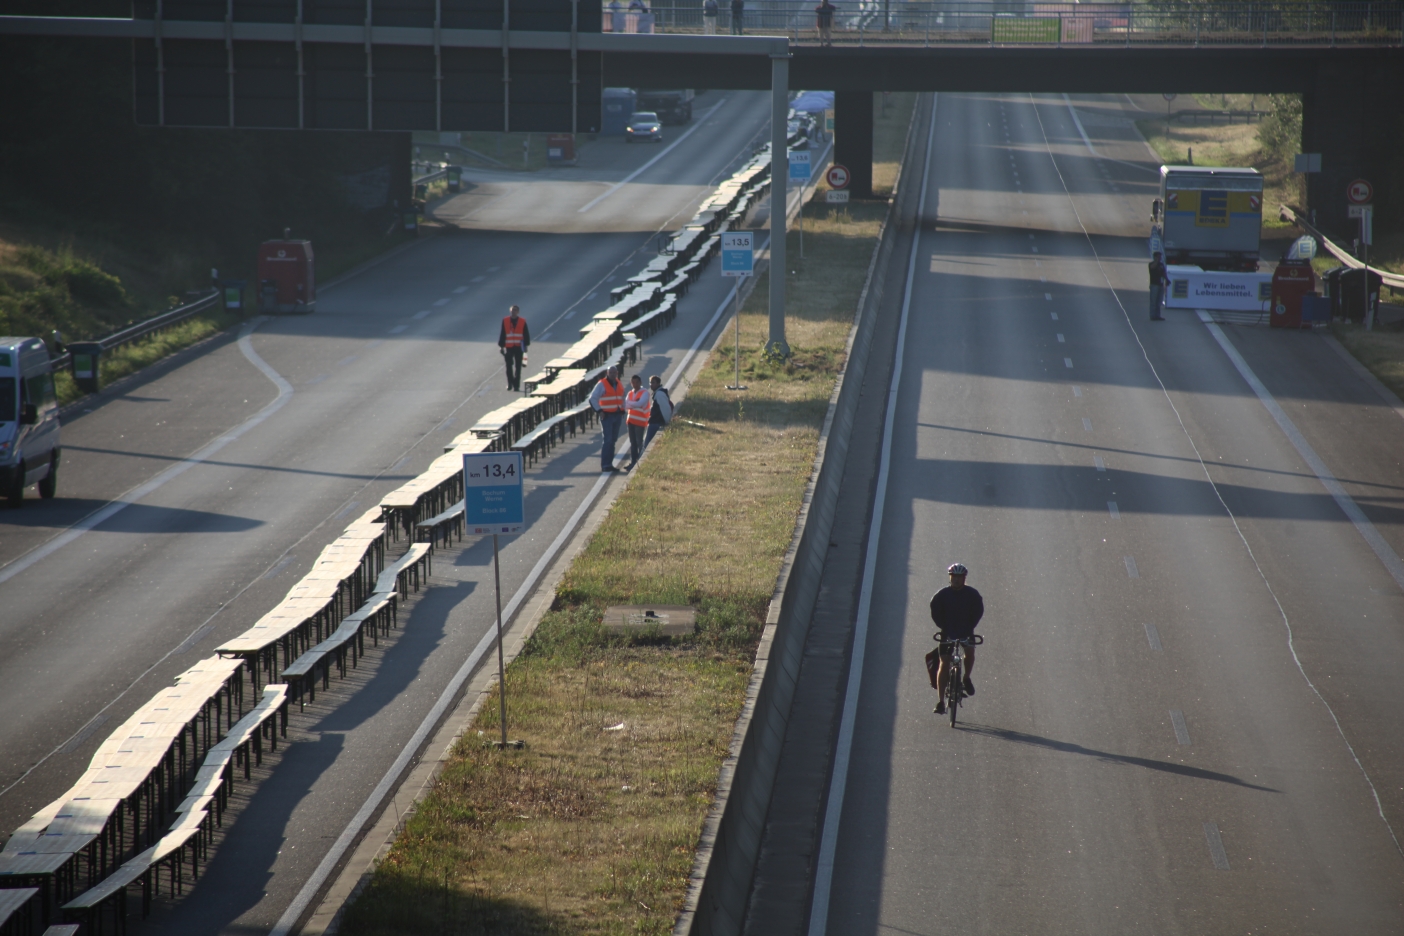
pixel 607 399
pixel 709 17
pixel 637 404
pixel 824 19
pixel 1159 279
pixel 955 610
pixel 513 341
pixel 661 413
pixel 738 14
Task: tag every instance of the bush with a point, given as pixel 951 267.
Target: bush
pixel 1280 133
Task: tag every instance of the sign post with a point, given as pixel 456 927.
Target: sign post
pixel 738 259
pixel 492 503
pixel 1360 194
pixel 800 172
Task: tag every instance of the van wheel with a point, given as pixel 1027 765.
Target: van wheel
pixel 48 485
pixel 15 494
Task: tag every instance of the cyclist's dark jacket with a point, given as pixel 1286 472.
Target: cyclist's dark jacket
pixel 957 611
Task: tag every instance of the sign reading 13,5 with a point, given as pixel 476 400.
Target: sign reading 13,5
pixel 492 496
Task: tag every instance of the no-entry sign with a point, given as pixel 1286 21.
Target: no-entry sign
pixel 1360 192
pixel 837 176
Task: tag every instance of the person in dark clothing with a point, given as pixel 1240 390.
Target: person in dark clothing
pixel 738 14
pixel 824 19
pixel 513 340
pixel 956 610
pixel 1159 279
pixel 662 412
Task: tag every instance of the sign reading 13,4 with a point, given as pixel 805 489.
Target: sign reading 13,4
pixel 492 497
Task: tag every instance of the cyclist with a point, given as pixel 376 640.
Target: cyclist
pixel 955 609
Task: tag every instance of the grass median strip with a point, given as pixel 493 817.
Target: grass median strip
pixel 591 829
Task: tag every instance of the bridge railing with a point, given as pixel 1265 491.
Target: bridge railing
pixel 949 22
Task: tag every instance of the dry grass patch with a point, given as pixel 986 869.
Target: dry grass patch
pixel 1381 350
pixel 592 828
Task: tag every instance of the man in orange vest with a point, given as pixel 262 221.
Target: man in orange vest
pixel 638 404
pixel 607 399
pixel 512 341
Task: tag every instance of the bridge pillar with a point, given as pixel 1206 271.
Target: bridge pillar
pixel 1350 118
pixel 853 139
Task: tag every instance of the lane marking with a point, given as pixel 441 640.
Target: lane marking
pixel 1034 249
pixel 547 335
pixel 423 312
pixel 479 279
pixel 1383 551
pixel 1097 461
pixel 571 313
pixel 1204 467
pixel 1077 391
pixel 84 733
pixel 398 329
pixel 1114 510
pixel 592 295
pixel 639 171
pixel 352 832
pixel 347 360
pixel 278 566
pixel 1131 569
pixel 1061 339
pixel 1055 315
pixel 349 506
pixel 838 784
pixel 1067 362
pixel 442 302
pixel 1091 149
pixel 1216 846
pixel 460 290
pixel 494 269
pixel 1086 424
pixel 1049 297
pixel 1153 637
pixel 112 508
pixel 1177 719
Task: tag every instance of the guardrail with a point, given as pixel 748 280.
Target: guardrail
pixel 84 357
pixel 937 22
pixel 1392 280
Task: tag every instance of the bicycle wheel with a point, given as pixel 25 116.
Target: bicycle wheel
pixel 953 687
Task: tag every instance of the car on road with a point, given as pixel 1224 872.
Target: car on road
pixel 29 420
pixel 643 125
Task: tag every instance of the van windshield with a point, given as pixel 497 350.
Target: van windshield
pixel 7 399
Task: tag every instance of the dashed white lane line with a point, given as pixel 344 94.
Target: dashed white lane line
pixel 1034 249
pixel 639 171
pixel 1153 637
pixel 1216 846
pixel 1049 297
pixel 1067 362
pixel 479 279
pixel 441 302
pixel 1077 391
pixel 1114 510
pixel 460 290
pixel 1086 424
pixel 493 269
pixel 1098 463
pixel 347 360
pixel 1054 315
pixel 1061 339
pixel 1386 554
pixel 399 328
pixel 1177 719
pixel 1131 569
pixel 1031 237
pixel 545 336
pixel 571 314
pixel 423 313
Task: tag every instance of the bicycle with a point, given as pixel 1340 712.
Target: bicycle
pixel 955 670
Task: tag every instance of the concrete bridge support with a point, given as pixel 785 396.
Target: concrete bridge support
pixel 853 139
pixel 1351 116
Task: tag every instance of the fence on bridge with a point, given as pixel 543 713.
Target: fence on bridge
pixel 941 22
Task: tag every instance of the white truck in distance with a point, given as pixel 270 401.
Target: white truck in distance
pixel 1209 217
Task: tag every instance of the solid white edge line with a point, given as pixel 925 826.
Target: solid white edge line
pixel 1093 150
pixel 833 809
pixel 348 836
pixel 110 509
pixel 1387 556
pixel 637 172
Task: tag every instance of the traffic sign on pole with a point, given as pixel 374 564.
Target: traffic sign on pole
pixel 799 165
pixel 492 499
pixel 1360 192
pixel 738 253
pixel 837 176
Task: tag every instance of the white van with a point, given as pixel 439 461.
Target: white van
pixel 29 420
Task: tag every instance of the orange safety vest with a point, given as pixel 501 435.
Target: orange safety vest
pixel 637 416
pixel 612 400
pixel 514 332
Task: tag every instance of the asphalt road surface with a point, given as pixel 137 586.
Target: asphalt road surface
pixel 1186 719
pixel 239 460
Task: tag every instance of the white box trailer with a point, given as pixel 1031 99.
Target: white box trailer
pixel 1210 217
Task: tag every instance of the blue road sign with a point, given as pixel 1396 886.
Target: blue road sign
pixel 738 253
pixel 799 165
pixel 492 498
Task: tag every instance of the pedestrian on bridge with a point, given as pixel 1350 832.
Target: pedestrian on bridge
pixel 607 399
pixel 824 19
pixel 513 341
pixel 709 17
pixel 638 404
pixel 738 15
pixel 1159 279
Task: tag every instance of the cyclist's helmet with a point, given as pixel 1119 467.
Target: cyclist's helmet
pixel 957 569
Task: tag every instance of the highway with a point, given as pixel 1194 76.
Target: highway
pixel 1186 718
pixel 192 498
